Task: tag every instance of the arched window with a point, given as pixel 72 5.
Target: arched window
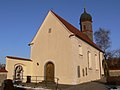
pixel 89 60
pixel 83 72
pixel 18 73
pixel 88 27
pixel 84 27
pixel 80 50
pixel 86 71
pixel 78 71
pixel 96 61
pixel 49 31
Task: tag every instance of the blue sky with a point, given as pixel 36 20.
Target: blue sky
pixel 21 19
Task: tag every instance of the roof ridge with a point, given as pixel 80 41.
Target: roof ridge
pixel 13 57
pixel 77 32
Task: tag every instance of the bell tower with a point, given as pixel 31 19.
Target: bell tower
pixel 86 24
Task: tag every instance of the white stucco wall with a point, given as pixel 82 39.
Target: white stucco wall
pixel 82 61
pixel 55 47
pixel 10 66
pixel 3 76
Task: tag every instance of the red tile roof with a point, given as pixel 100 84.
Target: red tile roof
pixel 25 59
pixel 77 32
pixel 3 70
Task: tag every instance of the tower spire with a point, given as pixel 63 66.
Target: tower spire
pixel 84 5
pixel 86 24
pixel 84 10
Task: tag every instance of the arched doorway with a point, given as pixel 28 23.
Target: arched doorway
pixel 18 73
pixel 49 72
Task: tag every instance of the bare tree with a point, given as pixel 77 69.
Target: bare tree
pixel 2 66
pixel 114 54
pixel 117 53
pixel 102 39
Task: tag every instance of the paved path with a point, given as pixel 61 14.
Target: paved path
pixel 85 86
pixel 88 86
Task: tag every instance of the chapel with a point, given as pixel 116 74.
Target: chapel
pixel 60 51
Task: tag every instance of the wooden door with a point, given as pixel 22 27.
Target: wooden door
pixel 50 72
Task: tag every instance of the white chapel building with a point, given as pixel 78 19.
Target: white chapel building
pixel 59 50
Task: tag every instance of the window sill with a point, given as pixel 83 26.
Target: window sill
pixel 90 68
pixel 97 69
pixel 80 54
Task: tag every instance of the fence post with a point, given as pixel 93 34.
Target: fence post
pixel 28 79
pixel 36 79
pixel 57 83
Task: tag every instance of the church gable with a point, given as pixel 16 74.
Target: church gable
pixel 52 37
pixel 50 25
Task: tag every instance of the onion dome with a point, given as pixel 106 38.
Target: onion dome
pixel 85 16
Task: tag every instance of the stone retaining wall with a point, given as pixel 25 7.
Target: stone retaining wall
pixel 114 72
